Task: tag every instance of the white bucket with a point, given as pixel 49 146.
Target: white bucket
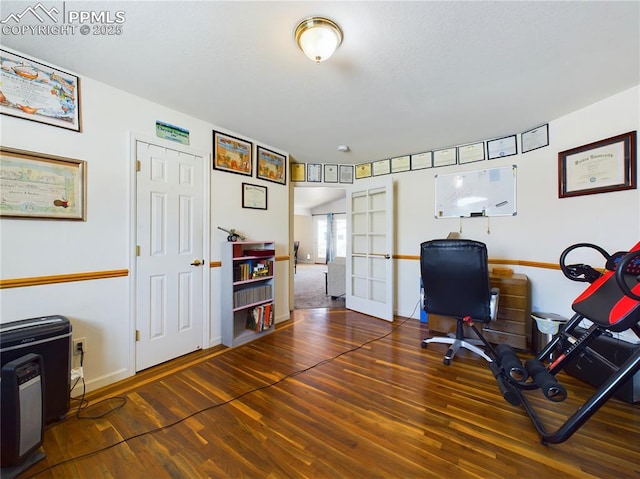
pixel 547 326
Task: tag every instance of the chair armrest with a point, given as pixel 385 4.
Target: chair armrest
pixel 493 306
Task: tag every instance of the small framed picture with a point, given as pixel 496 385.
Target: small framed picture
pixel 346 173
pixel 254 196
pixel 420 161
pixel 298 172
pixel 502 147
pixel 381 167
pixel 330 173
pixel 400 163
pixel 272 166
pixel 534 139
pixel 363 170
pixel 471 153
pixel 314 172
pixel 232 154
pixel 445 157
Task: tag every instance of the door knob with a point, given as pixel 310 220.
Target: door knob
pixel 197 262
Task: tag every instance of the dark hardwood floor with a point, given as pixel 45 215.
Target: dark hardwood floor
pixel 333 394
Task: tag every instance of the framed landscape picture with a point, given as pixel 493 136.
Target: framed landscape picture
pixel 272 166
pixel 232 154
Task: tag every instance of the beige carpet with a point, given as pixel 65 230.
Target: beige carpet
pixel 309 288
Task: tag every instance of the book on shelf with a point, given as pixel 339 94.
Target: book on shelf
pixel 243 297
pixel 260 318
pixel 247 270
pixel 260 252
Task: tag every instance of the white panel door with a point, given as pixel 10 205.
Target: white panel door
pixel 170 264
pixel 370 213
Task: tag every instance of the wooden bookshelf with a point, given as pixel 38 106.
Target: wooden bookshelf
pixel 248 291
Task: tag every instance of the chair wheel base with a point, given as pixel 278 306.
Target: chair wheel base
pixel 446 361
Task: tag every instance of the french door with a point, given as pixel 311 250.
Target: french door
pixel 370 220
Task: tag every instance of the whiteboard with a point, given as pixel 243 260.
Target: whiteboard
pixel 489 192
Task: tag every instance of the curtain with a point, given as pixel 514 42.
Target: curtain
pixel 331 239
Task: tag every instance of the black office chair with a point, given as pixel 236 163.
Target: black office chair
pixel 455 278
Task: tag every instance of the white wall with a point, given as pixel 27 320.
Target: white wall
pixel 303 227
pixel 303 232
pixel 99 309
pixel 544 225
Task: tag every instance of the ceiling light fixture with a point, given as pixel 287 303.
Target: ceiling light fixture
pixel 318 38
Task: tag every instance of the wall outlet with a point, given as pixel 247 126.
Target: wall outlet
pixel 79 346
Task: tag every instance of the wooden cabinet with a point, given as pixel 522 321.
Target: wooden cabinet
pixel 513 323
pixel 248 290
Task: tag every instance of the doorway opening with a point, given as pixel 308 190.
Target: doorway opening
pixel 320 229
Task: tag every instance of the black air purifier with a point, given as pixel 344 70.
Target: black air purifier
pixel 21 414
pixel 50 337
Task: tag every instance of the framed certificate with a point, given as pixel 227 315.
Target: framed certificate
pixel 598 167
pixel 254 196
pixel 400 163
pixel 298 172
pixel 35 91
pixel 471 153
pixel 363 171
pixel 345 173
pixel 534 139
pixel 444 157
pixel 381 167
pixel 314 172
pixel 420 161
pixel 330 173
pixel 502 147
pixel 37 185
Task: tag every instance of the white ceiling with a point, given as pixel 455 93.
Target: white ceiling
pixel 408 77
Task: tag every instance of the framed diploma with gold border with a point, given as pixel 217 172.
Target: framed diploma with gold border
pixel 363 170
pixel 599 167
pixel 36 185
pixel 298 172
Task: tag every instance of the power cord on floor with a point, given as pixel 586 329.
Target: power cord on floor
pixel 213 406
pixel 83 404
